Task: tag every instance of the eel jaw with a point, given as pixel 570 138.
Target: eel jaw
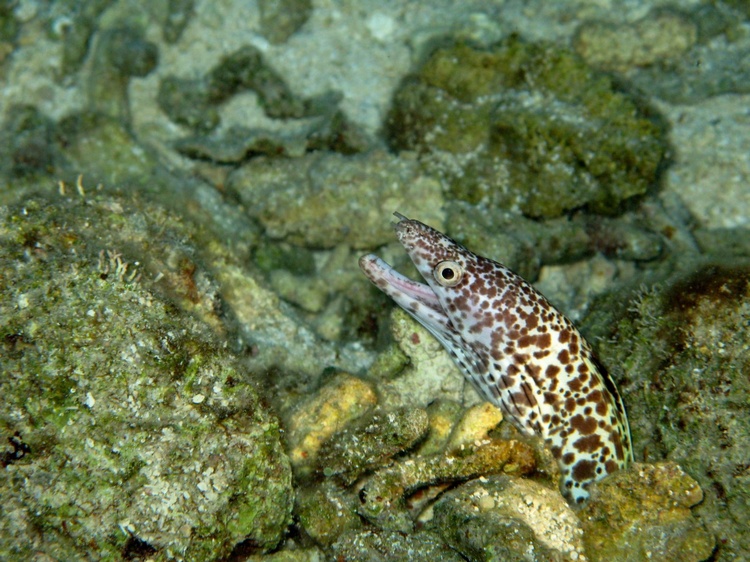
pixel 421 302
pixel 418 299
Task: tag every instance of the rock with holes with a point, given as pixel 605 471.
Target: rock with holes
pixel 683 349
pixel 526 126
pixel 643 513
pixel 507 518
pixel 135 431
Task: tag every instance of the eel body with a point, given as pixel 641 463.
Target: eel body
pixel 516 349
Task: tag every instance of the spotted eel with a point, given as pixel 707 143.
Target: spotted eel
pixel 516 349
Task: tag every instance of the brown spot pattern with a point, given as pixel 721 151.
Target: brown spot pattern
pixel 518 351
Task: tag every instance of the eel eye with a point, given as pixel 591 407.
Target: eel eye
pixel 448 273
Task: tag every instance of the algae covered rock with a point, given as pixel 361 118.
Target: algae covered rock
pixel 312 421
pixel 27 151
pixel 505 518
pixel 420 370
pixel 326 511
pixel 194 103
pixel 372 442
pixel 658 52
pixel 137 429
pixel 682 349
pixel 365 471
pixel 384 496
pixel 659 37
pixel 282 18
pixel 526 126
pixel 374 546
pixel 121 54
pixel 523 244
pixel 323 200
pixel 644 513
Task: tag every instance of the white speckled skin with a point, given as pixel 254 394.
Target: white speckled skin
pixel 518 351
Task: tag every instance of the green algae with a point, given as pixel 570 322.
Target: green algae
pixel 327 511
pixel 389 363
pixel 9 25
pixel 246 69
pixel 280 19
pixel 186 103
pixel 123 397
pixel 681 351
pixel 295 259
pixel 179 13
pixel 194 103
pixel 526 126
pixel 29 150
